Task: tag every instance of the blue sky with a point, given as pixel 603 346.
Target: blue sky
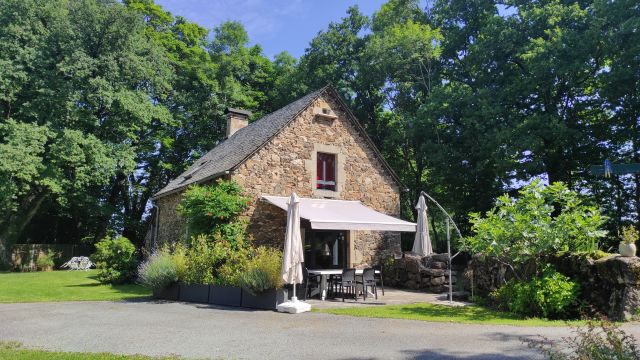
pixel 276 25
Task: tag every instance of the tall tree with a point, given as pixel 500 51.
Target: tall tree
pixel 86 90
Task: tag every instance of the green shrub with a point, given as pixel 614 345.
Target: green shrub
pixel 214 209
pixel 629 235
pixel 551 295
pixel 200 261
pixel 179 258
pixel 159 271
pixel 598 340
pixel 45 260
pixel 214 260
pixel 542 221
pixel 263 271
pixel 235 264
pixel 115 259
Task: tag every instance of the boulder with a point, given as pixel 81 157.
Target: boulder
pixel 432 272
pixel 412 264
pixel 440 258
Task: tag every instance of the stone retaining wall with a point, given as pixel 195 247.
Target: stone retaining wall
pixel 611 285
pixel 428 273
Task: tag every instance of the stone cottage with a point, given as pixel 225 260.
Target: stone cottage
pixel 316 148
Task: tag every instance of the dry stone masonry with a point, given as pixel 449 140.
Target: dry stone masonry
pixel 428 273
pixel 610 285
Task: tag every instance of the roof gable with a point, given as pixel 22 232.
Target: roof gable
pixel 235 150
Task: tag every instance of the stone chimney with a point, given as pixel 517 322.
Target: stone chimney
pixel 236 120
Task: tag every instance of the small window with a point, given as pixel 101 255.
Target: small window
pixel 326 172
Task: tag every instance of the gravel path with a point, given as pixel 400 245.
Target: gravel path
pixel 159 328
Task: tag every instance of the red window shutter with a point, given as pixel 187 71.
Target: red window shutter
pixel 330 168
pixel 319 171
pixel 325 171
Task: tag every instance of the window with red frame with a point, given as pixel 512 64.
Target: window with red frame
pixel 326 172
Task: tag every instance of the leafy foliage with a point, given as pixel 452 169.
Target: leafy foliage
pixel 214 209
pixel 551 295
pixel 597 340
pixel 115 257
pixel 45 260
pixel 629 235
pixel 158 271
pixel 465 99
pixel 543 220
pixel 263 271
pixel 213 259
pixel 102 103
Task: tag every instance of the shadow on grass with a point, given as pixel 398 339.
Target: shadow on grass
pixel 466 312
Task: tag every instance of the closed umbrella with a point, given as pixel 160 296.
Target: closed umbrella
pixel 422 242
pixel 293 257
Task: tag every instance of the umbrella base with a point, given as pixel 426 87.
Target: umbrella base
pixel 294 306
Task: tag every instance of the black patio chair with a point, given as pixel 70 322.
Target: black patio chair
pixel 379 277
pixel 309 281
pixel 348 283
pixel 369 282
pixel 333 283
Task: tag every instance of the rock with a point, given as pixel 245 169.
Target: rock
pixel 440 258
pixel 400 264
pixel 412 264
pixel 438 265
pixel 437 280
pixel 432 272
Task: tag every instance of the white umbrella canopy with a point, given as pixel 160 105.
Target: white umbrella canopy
pixel 422 242
pixel 293 256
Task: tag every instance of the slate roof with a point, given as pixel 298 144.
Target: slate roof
pixel 233 151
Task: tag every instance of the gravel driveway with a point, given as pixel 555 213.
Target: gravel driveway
pixel 159 328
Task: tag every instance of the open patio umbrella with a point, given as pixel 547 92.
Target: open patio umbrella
pixel 422 242
pixel 293 257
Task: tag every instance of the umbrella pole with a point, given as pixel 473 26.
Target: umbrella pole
pixel 450 265
pixel 294 298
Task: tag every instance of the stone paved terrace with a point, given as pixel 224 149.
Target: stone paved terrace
pixel 391 297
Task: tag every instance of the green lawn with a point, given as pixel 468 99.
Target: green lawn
pixel 63 286
pixel 443 313
pixel 10 350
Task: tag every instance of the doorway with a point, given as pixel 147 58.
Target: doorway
pixel 325 249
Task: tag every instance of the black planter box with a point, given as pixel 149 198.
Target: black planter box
pixel 225 295
pixel 171 292
pixel 267 300
pixel 194 293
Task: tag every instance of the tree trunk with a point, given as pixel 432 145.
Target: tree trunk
pixel 10 233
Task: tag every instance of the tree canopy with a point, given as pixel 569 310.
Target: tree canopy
pixel 103 102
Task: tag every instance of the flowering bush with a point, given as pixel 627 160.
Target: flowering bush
pixel 159 271
pixel 263 271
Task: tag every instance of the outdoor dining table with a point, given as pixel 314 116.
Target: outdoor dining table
pixel 324 273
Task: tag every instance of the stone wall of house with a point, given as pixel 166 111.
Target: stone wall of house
pixel 171 226
pixel 287 164
pixel 611 285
